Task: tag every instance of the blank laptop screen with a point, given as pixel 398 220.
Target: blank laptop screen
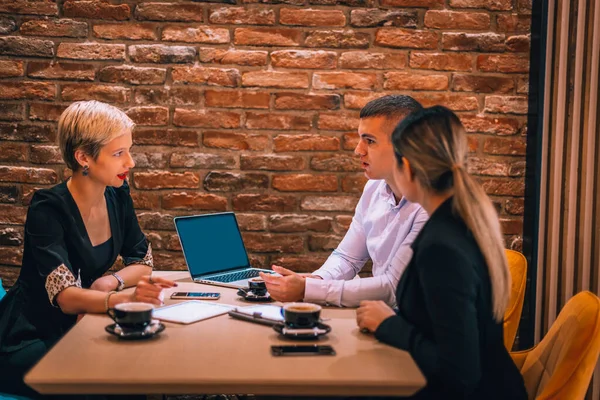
pixel 211 243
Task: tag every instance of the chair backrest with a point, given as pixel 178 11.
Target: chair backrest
pixel 2 291
pixel 562 365
pixel 517 264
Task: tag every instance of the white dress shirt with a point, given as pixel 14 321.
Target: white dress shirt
pixel 380 230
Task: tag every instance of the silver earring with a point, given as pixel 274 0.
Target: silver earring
pixel 86 170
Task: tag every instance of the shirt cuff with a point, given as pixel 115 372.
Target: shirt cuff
pixel 315 290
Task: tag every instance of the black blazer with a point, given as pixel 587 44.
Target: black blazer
pixel 445 317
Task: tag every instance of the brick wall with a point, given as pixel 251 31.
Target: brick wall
pixel 252 105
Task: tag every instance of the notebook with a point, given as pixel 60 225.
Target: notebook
pixel 190 311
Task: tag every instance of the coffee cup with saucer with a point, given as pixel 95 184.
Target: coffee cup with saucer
pixel 302 321
pixel 133 321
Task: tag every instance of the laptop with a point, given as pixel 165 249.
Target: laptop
pixel 214 250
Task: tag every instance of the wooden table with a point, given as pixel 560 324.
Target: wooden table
pixel 221 355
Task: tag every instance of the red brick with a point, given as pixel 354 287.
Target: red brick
pixel 158 53
pixel 9 194
pixel 259 202
pixel 10 214
pixel 335 162
pixel 305 143
pixel 29 7
pixel 505 146
pixel 311 17
pixel 292 80
pixel 513 23
pixel 237 99
pixel 199 34
pixel 370 60
pixel 278 121
pixel 150 159
pixel 344 80
pixel 480 42
pixel 56 28
pixel 149 115
pixel 155 220
pixel 201 160
pixel 164 137
pixel 292 2
pixel 13 152
pixel 300 101
pixel 42 154
pixel 242 15
pixel 128 31
pixel 350 140
pixel 503 186
pixel 252 222
pixel 299 223
pixel 523 85
pixel 308 263
pixel 515 206
pixel 27 133
pixel 11 236
pixel 267 37
pixel 511 226
pixel 232 56
pixel 170 261
pixel 132 75
pixel 406 38
pixel 339 39
pixel 109 94
pixel 493 5
pixel 236 141
pixel 354 183
pixel 323 242
pixel 339 121
pixel 91 51
pixel 186 12
pixel 171 95
pixel 482 83
pixel 95 10
pixel 142 200
pixel 520 43
pixel 507 63
pixel 411 81
pixel 490 125
pixel 206 118
pixel 456 102
pixel 272 162
pixel 194 201
pixel 413 3
pixel 506 104
pixel 444 19
pixel 267 243
pixel 46 112
pixel 342 222
pixel 305 183
pixel 12 112
pixel 27 90
pixel 472 143
pixel 329 203
pixel 7 24
pixel 204 75
pixel 492 167
pixel 357 100
pixel 43 176
pixel 28 47
pixel 367 18
pixel 235 182
pixel 9 69
pixel 304 59
pixel 12 256
pixel 61 70
pixel 441 61
pixel 166 180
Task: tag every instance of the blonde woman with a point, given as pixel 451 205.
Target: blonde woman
pixel 453 294
pixel 73 234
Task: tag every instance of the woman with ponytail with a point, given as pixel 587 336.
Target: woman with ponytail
pixel 453 294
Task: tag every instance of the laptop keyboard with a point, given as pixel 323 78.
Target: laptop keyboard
pixel 235 276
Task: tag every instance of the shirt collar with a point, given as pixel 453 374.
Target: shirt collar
pixel 389 196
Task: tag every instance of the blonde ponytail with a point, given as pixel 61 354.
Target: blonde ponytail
pixel 435 143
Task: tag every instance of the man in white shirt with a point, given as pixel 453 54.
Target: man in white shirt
pixel 383 227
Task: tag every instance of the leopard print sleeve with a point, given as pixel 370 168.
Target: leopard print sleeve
pixel 148 260
pixel 60 279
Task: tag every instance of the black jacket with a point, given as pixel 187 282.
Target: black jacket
pixel 445 317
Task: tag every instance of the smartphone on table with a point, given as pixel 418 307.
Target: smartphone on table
pixel 195 296
pixel 303 350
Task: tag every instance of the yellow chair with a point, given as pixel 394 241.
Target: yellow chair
pixel 517 264
pixel 562 364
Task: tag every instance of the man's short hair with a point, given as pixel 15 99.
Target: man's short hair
pixel 89 125
pixel 393 107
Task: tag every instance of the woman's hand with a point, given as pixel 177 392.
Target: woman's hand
pixel 105 284
pixel 149 289
pixel 371 314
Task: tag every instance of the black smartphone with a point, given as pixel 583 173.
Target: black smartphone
pixel 303 350
pixel 195 296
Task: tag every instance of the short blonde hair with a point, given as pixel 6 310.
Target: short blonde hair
pixel 88 126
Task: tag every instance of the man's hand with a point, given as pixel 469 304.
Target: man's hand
pixel 288 287
pixel 372 313
pixel 105 284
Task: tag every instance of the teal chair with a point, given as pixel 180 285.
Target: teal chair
pixel 2 291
